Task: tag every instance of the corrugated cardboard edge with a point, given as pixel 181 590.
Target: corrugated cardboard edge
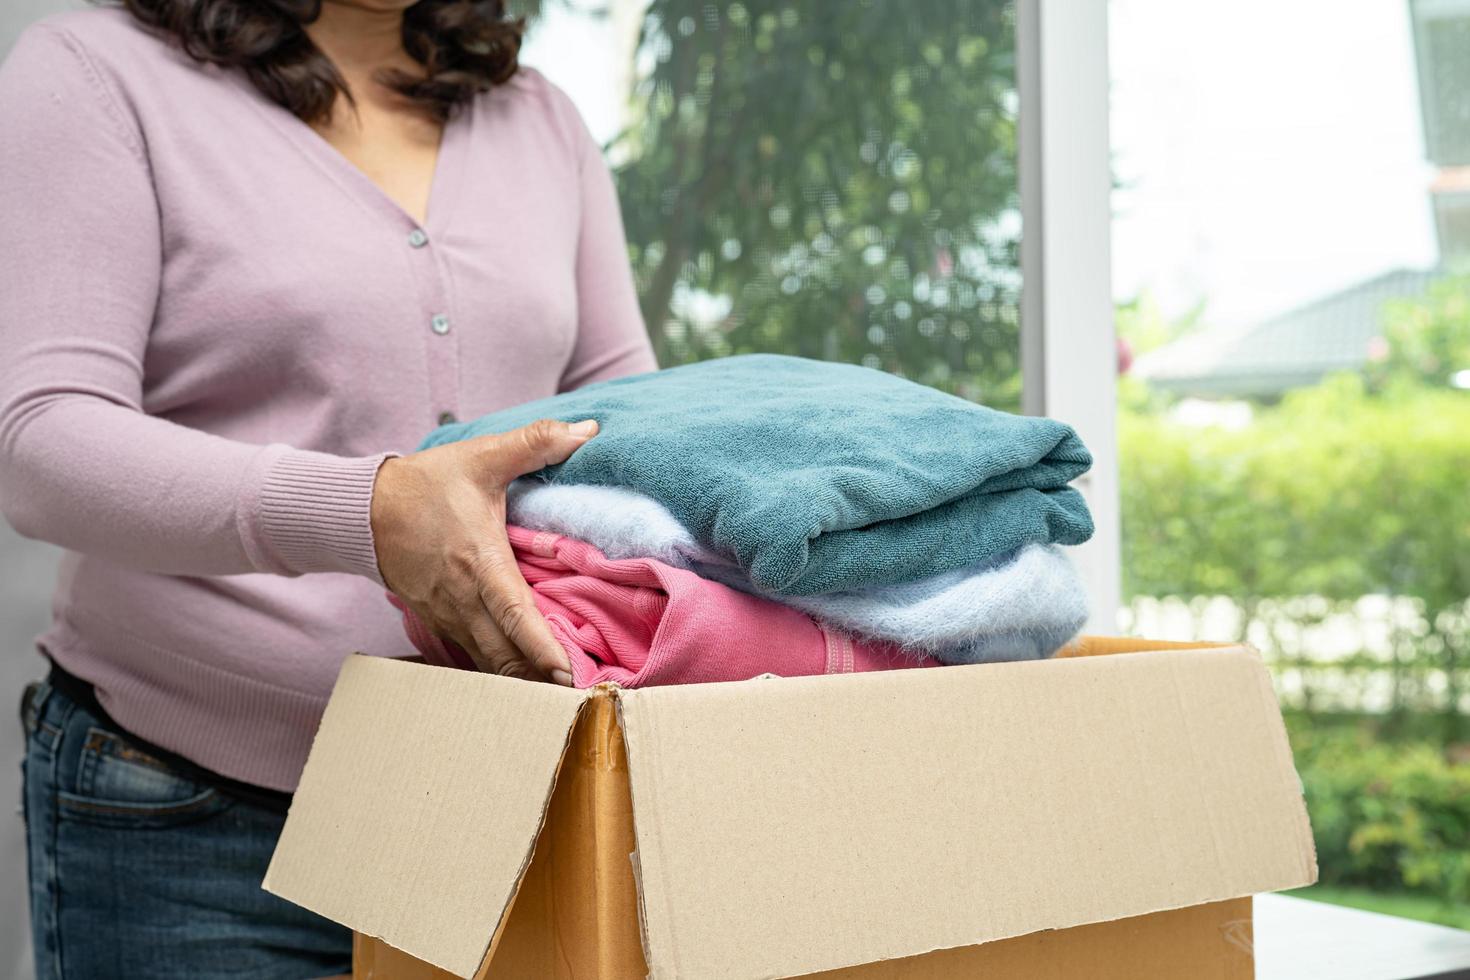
pixel 494 942
pixel 576 913
pixel 634 858
pixel 1287 766
pixel 330 809
pixel 614 873
pixel 1210 941
pixel 665 963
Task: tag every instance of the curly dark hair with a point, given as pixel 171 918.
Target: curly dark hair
pixel 465 46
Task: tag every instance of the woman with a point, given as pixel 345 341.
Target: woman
pixel 259 246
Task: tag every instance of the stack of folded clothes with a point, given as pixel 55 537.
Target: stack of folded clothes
pixel 769 514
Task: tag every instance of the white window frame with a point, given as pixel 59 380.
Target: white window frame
pixel 1068 343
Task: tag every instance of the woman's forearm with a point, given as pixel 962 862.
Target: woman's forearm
pixel 101 478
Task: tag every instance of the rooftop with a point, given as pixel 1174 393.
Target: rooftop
pixel 1337 332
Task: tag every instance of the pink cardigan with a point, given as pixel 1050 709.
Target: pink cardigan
pixel 641 623
pixel 213 327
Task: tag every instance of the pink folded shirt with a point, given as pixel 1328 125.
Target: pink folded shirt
pixel 640 623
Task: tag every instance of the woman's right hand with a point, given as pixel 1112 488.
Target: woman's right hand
pixel 438 520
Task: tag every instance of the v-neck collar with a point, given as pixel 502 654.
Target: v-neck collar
pixel 354 181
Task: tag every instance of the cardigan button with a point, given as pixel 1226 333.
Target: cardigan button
pixel 446 418
pixel 417 238
pixel 440 324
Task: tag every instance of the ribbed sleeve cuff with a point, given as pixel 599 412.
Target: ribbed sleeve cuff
pixel 313 514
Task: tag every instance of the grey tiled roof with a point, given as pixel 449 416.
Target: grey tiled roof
pixel 1295 348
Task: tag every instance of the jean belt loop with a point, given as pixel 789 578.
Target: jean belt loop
pixel 32 702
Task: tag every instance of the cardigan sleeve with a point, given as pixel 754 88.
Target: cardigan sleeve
pixel 82 464
pixel 611 339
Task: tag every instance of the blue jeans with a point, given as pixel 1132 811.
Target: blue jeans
pixel 138 871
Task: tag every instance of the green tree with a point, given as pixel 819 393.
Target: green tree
pixel 834 180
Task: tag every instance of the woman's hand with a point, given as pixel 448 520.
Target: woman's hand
pixel 438 520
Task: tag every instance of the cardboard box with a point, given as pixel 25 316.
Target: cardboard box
pixel 1084 816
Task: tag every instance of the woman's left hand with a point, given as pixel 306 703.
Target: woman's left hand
pixel 438 519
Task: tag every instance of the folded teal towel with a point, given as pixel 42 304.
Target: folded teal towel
pixel 820 477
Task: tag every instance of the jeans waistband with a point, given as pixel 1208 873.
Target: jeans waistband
pixel 64 691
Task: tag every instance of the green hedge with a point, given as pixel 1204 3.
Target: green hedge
pixel 1334 492
pixel 1388 816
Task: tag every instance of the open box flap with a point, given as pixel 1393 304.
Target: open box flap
pixel 803 824
pixel 420 804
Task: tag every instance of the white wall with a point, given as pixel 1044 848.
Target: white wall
pixel 27 570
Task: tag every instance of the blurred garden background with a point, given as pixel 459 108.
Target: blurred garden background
pixel 1329 528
